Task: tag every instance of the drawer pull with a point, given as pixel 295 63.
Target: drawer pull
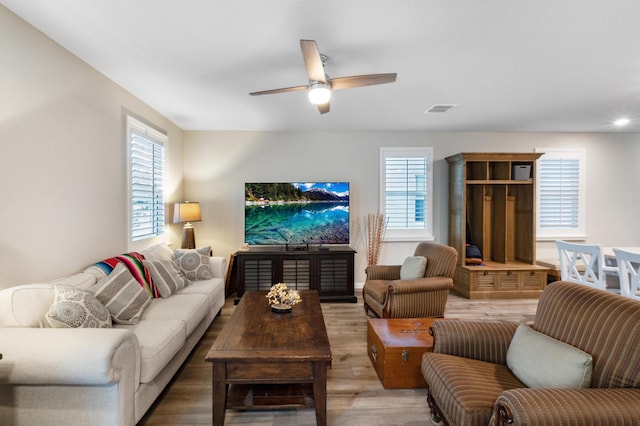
pixel 486 273
pixel 405 355
pixel 374 353
pixel 508 273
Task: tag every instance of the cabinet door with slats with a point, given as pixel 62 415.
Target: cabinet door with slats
pixel 258 274
pixel 296 273
pixel 335 275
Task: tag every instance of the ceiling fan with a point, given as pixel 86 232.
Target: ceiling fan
pixel 320 84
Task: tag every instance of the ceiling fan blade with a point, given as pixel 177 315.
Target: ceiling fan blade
pixel 283 90
pixel 361 80
pixel 312 60
pixel 323 108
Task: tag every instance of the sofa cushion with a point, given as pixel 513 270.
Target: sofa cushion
pixel 122 295
pixel 189 308
pixel 413 267
pixel 540 361
pixel 213 289
pixel 26 305
pixel 73 308
pixel 159 342
pixel 466 388
pixel 166 276
pixel 194 263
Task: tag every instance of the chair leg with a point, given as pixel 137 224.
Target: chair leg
pixel 436 416
pixel 368 312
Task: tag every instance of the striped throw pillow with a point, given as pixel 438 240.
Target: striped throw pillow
pixel 166 276
pixel 133 262
pixel 122 295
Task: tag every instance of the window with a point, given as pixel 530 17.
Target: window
pixel 561 192
pixel 405 199
pixel 146 148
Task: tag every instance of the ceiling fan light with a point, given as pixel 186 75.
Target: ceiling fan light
pixel 621 122
pixel 319 93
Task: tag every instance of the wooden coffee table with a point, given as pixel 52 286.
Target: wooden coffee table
pixel 266 360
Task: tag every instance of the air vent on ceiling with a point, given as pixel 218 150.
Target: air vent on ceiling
pixel 440 108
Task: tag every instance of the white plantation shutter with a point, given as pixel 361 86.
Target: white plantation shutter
pixel 560 193
pixel 406 182
pixel 146 169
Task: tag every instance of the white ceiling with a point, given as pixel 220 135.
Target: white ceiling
pixel 508 65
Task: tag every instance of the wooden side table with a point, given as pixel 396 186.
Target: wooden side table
pixel 395 347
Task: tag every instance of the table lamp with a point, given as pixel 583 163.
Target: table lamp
pixel 186 213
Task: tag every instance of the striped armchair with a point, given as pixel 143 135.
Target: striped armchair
pixel 469 382
pixel 387 296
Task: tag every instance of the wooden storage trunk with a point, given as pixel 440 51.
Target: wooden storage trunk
pixel 395 347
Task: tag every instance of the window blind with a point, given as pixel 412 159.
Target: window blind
pixel 405 193
pixel 147 168
pixel 560 212
pixel 559 193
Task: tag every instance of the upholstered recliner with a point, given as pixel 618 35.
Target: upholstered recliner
pixel 387 296
pixel 580 360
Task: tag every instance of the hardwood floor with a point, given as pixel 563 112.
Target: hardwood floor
pixel 354 394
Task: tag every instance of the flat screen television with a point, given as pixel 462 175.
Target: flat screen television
pixel 290 213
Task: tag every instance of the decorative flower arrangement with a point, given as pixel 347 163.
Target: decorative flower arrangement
pixel 369 234
pixel 281 296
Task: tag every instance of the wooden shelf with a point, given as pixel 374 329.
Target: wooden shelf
pixel 500 182
pixel 492 203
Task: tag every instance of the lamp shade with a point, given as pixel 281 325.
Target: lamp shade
pixel 186 212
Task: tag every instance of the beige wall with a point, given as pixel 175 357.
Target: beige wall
pixel 219 163
pixel 62 158
pixel 63 166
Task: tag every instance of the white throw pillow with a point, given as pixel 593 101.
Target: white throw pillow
pixel 413 267
pixel 540 361
pixel 194 263
pixel 159 251
pixel 74 308
pixel 122 295
pixel 166 276
pixel 81 280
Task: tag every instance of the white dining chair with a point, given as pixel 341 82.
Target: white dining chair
pixel 629 272
pixel 583 264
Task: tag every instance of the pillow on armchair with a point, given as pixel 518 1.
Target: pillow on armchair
pixel 413 267
pixel 540 361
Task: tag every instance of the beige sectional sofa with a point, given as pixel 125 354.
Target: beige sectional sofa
pixel 98 376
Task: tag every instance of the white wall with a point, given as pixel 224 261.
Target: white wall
pixel 219 163
pixel 63 172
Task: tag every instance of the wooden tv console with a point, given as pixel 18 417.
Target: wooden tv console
pixel 328 270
